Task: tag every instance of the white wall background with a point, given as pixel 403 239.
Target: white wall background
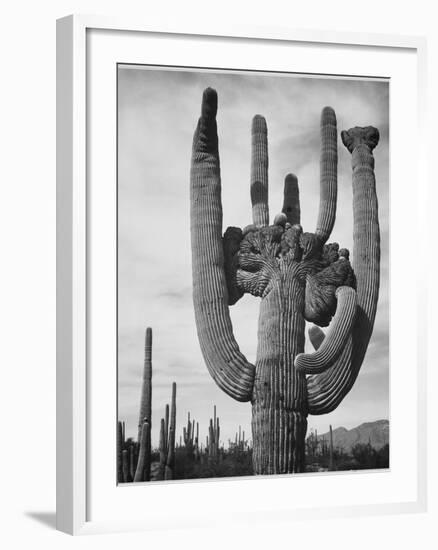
pixel 27 217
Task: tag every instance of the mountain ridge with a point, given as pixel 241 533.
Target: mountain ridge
pixel 376 433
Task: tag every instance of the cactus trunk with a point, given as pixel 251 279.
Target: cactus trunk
pixel 145 415
pixel 142 472
pixel 146 390
pixel 279 416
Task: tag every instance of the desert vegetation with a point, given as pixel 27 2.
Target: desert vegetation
pixel 195 457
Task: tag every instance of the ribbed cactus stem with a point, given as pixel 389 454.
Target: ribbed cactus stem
pixel 146 397
pixel 366 235
pixel 143 456
pixel 326 390
pixel 337 336
pixel 259 172
pixel 291 202
pixel 162 449
pixel 226 364
pixel 279 416
pixel 328 174
pixel 145 415
pixel 211 440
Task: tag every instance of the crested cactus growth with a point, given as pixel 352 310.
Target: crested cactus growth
pixel 297 275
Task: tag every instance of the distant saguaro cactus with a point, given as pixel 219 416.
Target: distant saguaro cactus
pixel 331 449
pixel 297 276
pixel 189 433
pixel 120 443
pixel 213 436
pixel 170 460
pixel 145 414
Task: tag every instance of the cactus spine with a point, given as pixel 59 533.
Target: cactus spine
pixel 297 276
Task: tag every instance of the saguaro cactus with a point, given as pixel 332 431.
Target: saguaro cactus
pixel 145 415
pixel 297 276
pixel 142 472
pixel 170 461
pixel 331 449
pixel 120 443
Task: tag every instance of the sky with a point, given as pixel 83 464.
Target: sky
pixel 157 113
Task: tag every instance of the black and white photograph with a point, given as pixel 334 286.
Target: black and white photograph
pixel 252 274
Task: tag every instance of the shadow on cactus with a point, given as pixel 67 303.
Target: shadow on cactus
pixel 297 275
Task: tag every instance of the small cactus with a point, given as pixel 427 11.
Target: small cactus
pixel 170 461
pixel 125 466
pixel 331 449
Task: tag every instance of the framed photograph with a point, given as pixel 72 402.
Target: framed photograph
pixel 236 209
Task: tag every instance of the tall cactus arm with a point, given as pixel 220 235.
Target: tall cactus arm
pixel 259 171
pixel 226 364
pixel 328 174
pixel 326 390
pixel 291 202
pixel 337 335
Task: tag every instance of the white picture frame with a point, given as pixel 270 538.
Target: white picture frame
pixel 77 208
